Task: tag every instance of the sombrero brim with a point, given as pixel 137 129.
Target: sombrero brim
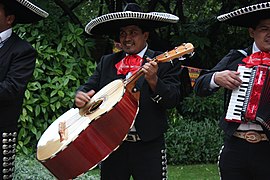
pixel 26 12
pixel 245 17
pixel 111 23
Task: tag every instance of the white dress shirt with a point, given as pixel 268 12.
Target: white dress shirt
pixel 129 74
pixel 5 35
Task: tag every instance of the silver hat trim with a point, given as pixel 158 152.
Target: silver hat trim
pixel 155 16
pixel 33 8
pixel 245 10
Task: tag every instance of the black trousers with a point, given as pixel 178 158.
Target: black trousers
pixel 8 142
pixel 141 160
pixel 241 160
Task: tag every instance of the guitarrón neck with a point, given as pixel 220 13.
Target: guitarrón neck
pixel 177 52
pixel 137 75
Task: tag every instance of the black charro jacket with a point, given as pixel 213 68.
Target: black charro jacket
pixel 17 63
pixel 151 120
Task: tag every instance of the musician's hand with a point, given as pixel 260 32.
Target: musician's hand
pixel 228 79
pixel 82 98
pixel 150 73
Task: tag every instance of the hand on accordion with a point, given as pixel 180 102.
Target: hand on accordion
pixel 228 79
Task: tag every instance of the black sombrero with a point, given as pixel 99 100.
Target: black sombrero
pixel 247 16
pixel 25 11
pixel 132 15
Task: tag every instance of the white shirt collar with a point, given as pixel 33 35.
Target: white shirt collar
pixel 5 34
pixel 255 48
pixel 142 51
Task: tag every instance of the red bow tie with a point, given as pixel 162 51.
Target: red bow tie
pixel 258 58
pixel 130 63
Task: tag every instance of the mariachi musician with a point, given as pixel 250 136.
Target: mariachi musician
pixel 245 154
pixel 142 154
pixel 17 63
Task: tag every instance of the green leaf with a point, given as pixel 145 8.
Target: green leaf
pixel 37 110
pixel 25 150
pixel 30 108
pixel 26 140
pixel 71 27
pixel 52 107
pixel 27 94
pixel 53 92
pixel 61 93
pixel 33 130
pixel 59 47
pixel 79 40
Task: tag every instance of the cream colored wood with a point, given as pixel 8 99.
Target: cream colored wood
pixel 49 144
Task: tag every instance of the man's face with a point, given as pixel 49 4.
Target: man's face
pixel 261 35
pixel 5 21
pixel 132 39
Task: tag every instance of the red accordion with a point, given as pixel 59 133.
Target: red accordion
pixel 251 101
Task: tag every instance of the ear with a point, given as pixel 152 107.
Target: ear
pixel 146 35
pixel 251 32
pixel 10 19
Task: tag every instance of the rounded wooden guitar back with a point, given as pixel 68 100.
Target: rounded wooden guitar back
pixel 81 138
pixel 88 139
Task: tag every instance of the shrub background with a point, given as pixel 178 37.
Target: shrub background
pixel 64 62
pixel 193 136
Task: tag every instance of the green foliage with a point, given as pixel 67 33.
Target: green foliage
pixel 212 39
pixel 194 172
pixel 61 66
pixel 194 137
pixel 29 168
pixel 198 108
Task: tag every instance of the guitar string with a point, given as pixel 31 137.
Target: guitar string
pixel 73 121
pixel 114 88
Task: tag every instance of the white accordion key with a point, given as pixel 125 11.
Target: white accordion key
pixel 238 96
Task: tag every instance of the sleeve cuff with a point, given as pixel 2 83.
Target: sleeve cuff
pixel 213 85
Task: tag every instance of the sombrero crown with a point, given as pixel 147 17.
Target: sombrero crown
pixel 132 15
pixel 25 11
pixel 247 16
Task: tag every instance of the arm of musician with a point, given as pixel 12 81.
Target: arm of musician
pixel 211 82
pixel 81 98
pixel 219 75
pixel 167 87
pixel 150 74
pixel 205 85
pixel 227 79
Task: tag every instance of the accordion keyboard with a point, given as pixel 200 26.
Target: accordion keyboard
pixel 238 96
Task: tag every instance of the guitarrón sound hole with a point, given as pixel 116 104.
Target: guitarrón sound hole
pixel 94 106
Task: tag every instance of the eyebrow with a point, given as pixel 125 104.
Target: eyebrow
pixel 263 26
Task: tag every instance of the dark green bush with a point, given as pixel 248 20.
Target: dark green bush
pixel 194 137
pixel 63 63
pixel 198 108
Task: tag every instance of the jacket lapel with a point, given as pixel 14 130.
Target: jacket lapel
pixel 7 45
pixel 118 58
pixel 148 54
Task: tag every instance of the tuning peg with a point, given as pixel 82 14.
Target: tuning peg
pixel 182 58
pixel 189 55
